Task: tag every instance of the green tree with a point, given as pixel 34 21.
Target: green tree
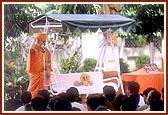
pixel 149 20
pixel 78 9
pixel 17 17
pixel 68 8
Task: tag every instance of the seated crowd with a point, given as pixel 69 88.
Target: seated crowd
pixel 71 100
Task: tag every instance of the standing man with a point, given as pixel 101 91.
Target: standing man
pixel 38 64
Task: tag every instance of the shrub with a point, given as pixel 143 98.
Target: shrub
pixel 71 64
pixel 142 59
pixel 89 64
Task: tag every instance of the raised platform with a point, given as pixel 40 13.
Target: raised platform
pixel 61 82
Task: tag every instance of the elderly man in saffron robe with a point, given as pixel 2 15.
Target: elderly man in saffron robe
pixel 38 70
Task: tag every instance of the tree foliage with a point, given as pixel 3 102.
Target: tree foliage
pixel 17 17
pixel 149 17
pixel 69 8
pixel 152 17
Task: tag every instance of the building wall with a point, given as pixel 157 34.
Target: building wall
pixel 130 54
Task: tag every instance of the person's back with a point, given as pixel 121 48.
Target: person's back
pixel 92 102
pixel 128 104
pixel 25 99
pixel 110 95
pixel 145 94
pixel 45 93
pixel 133 91
pixel 62 104
pixel 73 96
pixel 117 101
pixel 156 105
pixel 28 107
pixel 39 103
pixel 52 101
pixel 155 102
pixel 152 95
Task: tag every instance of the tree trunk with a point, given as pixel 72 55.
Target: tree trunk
pixel 151 49
pixel 109 9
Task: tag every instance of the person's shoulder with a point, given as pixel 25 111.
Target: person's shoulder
pixel 78 105
pixel 142 108
pixel 21 108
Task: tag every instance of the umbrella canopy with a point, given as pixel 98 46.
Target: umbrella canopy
pixel 84 22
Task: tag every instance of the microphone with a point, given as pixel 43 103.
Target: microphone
pixel 43 47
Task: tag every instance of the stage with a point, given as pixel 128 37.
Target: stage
pixel 61 82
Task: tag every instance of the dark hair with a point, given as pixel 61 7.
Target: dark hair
pixel 155 94
pixel 62 104
pixel 72 93
pixel 52 101
pixel 109 92
pixel 128 104
pixel 93 101
pixel 156 105
pixel 133 87
pixel 147 90
pixel 103 100
pixel 118 100
pixel 26 97
pixel 39 103
pixel 63 95
pixel 45 93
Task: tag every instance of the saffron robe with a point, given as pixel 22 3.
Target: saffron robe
pixel 35 68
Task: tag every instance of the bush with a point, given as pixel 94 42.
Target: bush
pixel 142 59
pixel 15 82
pixel 89 64
pixel 71 64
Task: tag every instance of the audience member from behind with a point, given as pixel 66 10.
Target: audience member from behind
pixel 62 104
pixel 128 104
pixel 118 100
pixel 156 105
pixel 110 94
pixel 103 103
pixel 73 96
pixel 152 96
pixel 133 93
pixel 63 95
pixel 145 94
pixel 94 104
pixel 155 102
pixel 39 103
pixel 52 101
pixel 103 100
pixel 55 98
pixel 25 99
pixel 45 93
